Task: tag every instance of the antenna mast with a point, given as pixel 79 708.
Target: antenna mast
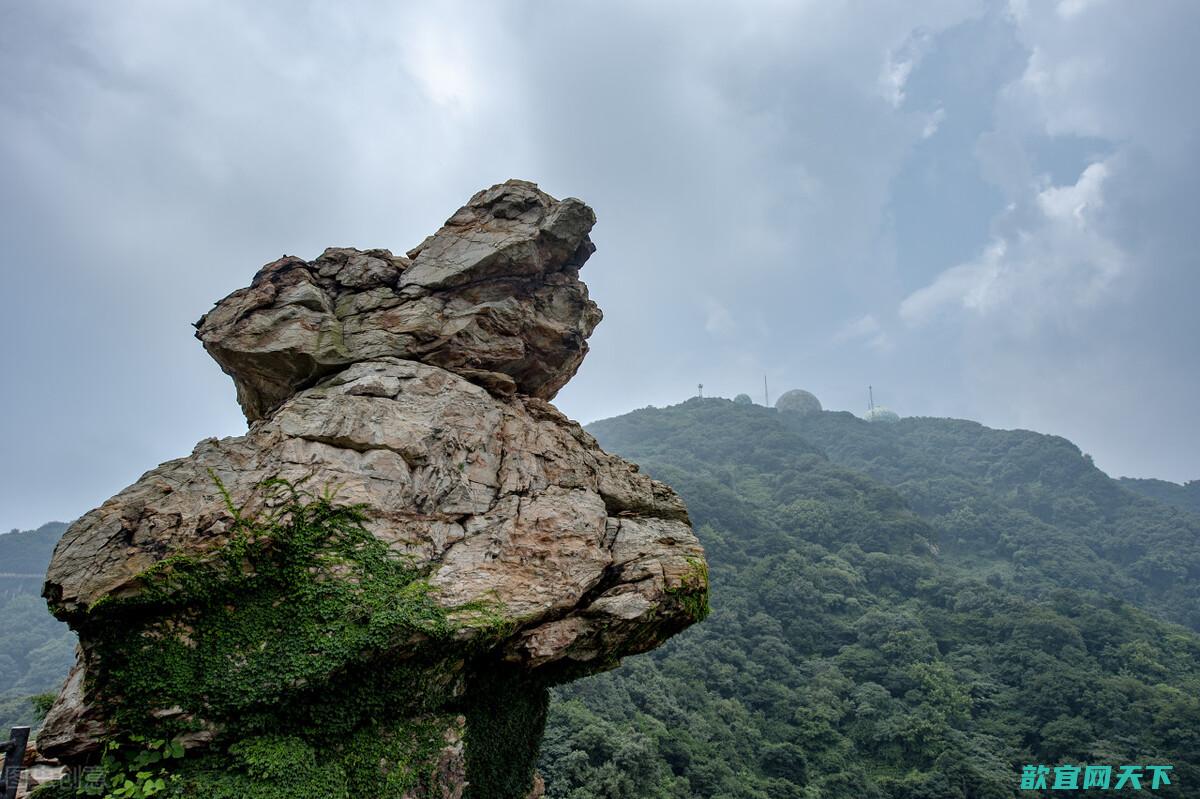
pixel 766 396
pixel 700 390
pixel 870 398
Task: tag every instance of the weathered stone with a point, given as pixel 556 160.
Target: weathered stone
pixel 541 556
pixel 449 767
pixel 503 499
pixel 73 727
pixel 493 296
pixel 38 773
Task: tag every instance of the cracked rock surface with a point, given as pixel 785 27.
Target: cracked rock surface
pixel 418 388
pixel 493 296
pixel 502 499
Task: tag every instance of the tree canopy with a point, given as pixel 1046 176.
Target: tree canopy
pixel 905 611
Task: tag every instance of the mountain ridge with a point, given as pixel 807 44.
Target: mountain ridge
pixel 854 650
pixel 880 626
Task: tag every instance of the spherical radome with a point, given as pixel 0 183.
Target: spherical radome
pixel 743 399
pixel 798 401
pixel 881 414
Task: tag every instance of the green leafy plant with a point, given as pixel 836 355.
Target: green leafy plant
pixel 314 654
pixel 692 592
pixel 292 636
pixel 42 704
pixel 136 768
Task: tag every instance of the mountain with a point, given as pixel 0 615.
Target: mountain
pixel 37 649
pixel 1185 496
pixel 25 554
pixel 1029 508
pixel 905 610
pixel 912 610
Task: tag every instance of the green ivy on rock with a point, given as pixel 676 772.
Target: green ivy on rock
pixel 312 654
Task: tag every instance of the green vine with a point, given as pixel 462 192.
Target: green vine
pixel 312 661
pixel 297 635
pixel 692 591
pixel 136 769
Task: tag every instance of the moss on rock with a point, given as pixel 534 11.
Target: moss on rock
pixel 506 715
pixel 293 647
pixel 692 592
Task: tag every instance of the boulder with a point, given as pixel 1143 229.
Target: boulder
pixel 493 296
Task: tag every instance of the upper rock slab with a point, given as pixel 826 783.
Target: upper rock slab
pixel 493 296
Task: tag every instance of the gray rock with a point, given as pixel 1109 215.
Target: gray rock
pixel 493 296
pixel 503 498
pixel 73 727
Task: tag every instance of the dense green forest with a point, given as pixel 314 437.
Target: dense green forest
pixel 1186 496
pixel 37 649
pixel 25 554
pixel 903 611
pixel 912 610
pixel 1028 508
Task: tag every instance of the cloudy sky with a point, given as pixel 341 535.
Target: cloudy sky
pixel 985 210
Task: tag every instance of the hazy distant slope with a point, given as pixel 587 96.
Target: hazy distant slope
pixel 35 649
pixel 28 551
pixel 1030 508
pixel 848 656
pixel 1186 496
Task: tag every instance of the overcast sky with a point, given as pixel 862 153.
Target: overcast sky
pixel 985 210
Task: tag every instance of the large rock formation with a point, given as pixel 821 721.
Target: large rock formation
pixel 369 592
pixel 494 296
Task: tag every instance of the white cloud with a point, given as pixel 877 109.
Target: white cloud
pixel 1073 8
pixel 1104 70
pixel 440 59
pixel 933 122
pixel 866 329
pixel 1072 204
pixel 1056 261
pixel 970 286
pixel 899 65
pixel 895 75
pixel 718 321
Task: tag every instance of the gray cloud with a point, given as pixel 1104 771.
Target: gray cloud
pixel 776 183
pixel 1078 315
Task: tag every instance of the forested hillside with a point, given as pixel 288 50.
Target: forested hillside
pixel 35 648
pixel 25 553
pixel 904 611
pixel 1185 496
pixel 914 610
pixel 1028 510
